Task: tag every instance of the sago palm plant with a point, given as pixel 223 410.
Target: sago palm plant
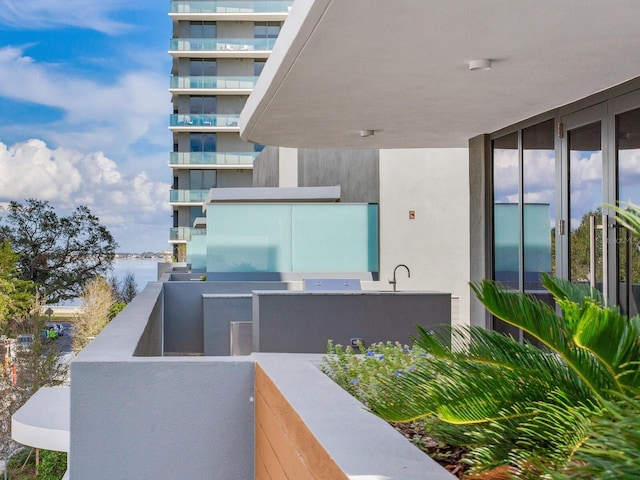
pixel 512 403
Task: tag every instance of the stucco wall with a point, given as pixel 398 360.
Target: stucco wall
pixel 153 417
pixel 434 183
pixel 304 321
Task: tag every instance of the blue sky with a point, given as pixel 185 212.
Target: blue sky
pixel 84 110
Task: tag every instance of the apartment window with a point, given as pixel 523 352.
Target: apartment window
pixel 203 142
pixel 202 105
pixel 202 179
pixel 175 219
pixel 506 225
pixel 194 212
pixel 524 206
pixel 266 29
pixel 258 65
pixel 202 30
pixel 203 67
pixel 175 183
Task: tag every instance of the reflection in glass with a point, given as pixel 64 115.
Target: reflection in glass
pixel 538 186
pixel 506 231
pixel 628 178
pixel 585 200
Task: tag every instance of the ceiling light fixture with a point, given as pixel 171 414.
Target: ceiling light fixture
pixel 367 133
pixel 480 64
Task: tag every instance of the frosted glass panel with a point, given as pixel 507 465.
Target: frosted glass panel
pixel 249 238
pixel 197 253
pixel 292 238
pixel 330 238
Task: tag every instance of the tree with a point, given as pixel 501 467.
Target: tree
pixel 126 289
pixel 38 366
pixel 16 295
pixel 97 303
pixel 60 254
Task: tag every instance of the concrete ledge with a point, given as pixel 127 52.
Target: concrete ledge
pixel 273 194
pixel 43 422
pixel 323 432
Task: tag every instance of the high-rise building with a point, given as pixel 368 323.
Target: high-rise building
pixel 219 49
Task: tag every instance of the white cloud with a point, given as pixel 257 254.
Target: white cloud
pixel 129 205
pixel 43 14
pixel 97 116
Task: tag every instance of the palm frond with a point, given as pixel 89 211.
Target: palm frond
pixel 541 322
pixel 557 428
pixel 628 215
pixel 612 449
pixel 613 340
pixel 563 289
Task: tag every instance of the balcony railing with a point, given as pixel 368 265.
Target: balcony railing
pixel 187 196
pixel 184 233
pixel 203 120
pixel 212 158
pixel 231 7
pixel 221 44
pixel 214 82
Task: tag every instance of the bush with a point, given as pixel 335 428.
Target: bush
pixel 52 466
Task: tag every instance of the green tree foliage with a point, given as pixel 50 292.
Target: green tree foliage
pixel 59 253
pixel 512 403
pixel 16 295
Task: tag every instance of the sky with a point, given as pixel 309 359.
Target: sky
pixel 84 107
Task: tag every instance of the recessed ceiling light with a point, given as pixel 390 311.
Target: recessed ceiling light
pixel 480 64
pixel 367 133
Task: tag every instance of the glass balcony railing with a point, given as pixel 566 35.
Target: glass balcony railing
pixel 212 158
pixel 221 44
pixel 187 196
pixel 214 82
pixel 231 7
pixel 203 120
pixel 184 233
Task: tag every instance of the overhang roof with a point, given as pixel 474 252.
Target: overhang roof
pixel 400 68
pixel 43 421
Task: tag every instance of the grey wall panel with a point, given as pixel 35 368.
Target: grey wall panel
pixel 183 310
pixel 303 322
pixel 219 310
pixel 356 171
pixel 266 168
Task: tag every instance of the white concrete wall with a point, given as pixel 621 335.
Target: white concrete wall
pixel 435 245
pixel 288 172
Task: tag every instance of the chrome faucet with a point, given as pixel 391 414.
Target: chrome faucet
pixel 394 282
